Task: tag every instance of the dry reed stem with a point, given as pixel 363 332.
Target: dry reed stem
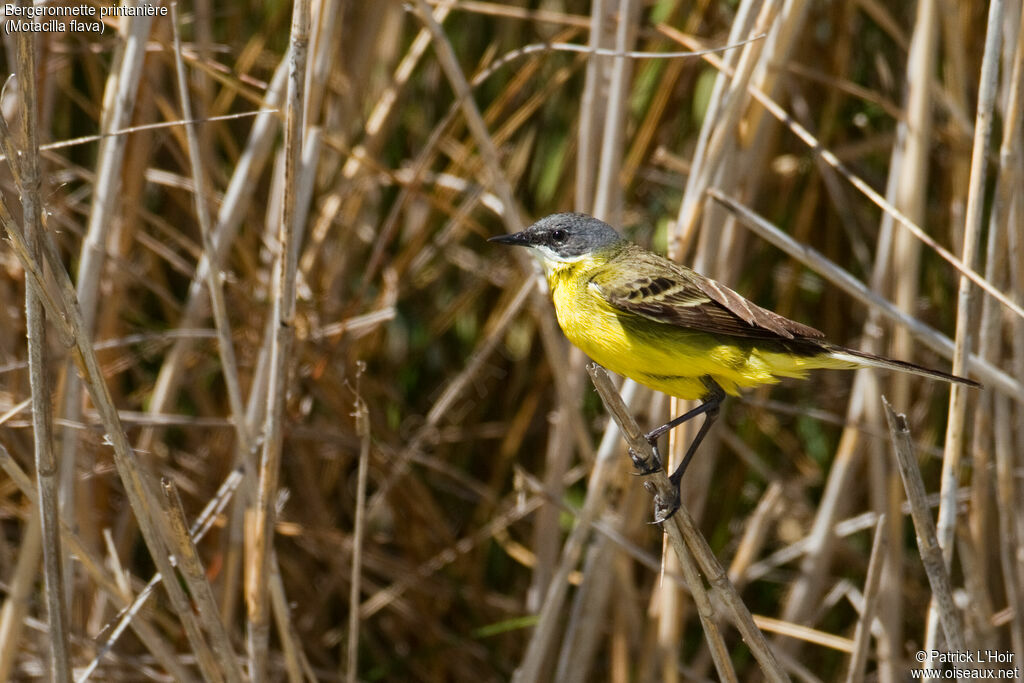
pixel 723 111
pixel 708 619
pixel 681 529
pixel 908 183
pixel 927 540
pixel 804 633
pixel 296 665
pixel 557 455
pixel 909 170
pixel 260 528
pixel 119 99
pixel 862 635
pixel 591 106
pixel 42 409
pixel 127 130
pixel 20 587
pixel 214 273
pixel 194 574
pixel 755 533
pixel 182 605
pixel 586 625
pixel 946 526
pixel 607 201
pixel 1011 532
pixel 355 590
pixel 984 514
pixel 731 174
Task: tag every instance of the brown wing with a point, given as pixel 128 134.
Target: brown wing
pixel 667 292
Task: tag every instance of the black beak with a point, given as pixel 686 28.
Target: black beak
pixel 519 239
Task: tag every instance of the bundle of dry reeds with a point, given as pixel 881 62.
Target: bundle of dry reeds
pixel 253 340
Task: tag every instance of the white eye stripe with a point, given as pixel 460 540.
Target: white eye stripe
pixel 551 255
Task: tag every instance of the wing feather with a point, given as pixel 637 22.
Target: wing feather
pixel 667 292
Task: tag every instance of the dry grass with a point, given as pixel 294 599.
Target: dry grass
pixel 285 367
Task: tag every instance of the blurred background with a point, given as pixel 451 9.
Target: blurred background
pixel 434 358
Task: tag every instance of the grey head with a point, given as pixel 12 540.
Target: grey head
pixel 564 237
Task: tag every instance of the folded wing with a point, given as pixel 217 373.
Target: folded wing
pixel 669 293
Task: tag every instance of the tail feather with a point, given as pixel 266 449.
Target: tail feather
pixel 860 358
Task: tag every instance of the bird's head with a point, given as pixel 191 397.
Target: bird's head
pixel 564 238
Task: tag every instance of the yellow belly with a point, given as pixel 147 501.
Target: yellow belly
pixel 665 357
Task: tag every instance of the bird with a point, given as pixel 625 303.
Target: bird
pixel 672 329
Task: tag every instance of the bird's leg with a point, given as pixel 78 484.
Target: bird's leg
pixel 712 402
pixel 645 466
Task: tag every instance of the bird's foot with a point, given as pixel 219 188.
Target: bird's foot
pixel 666 503
pixel 645 465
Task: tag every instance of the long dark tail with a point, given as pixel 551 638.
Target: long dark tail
pixel 869 359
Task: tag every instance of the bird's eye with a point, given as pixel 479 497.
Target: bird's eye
pixel 559 236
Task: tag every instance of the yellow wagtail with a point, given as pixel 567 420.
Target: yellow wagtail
pixel 672 329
